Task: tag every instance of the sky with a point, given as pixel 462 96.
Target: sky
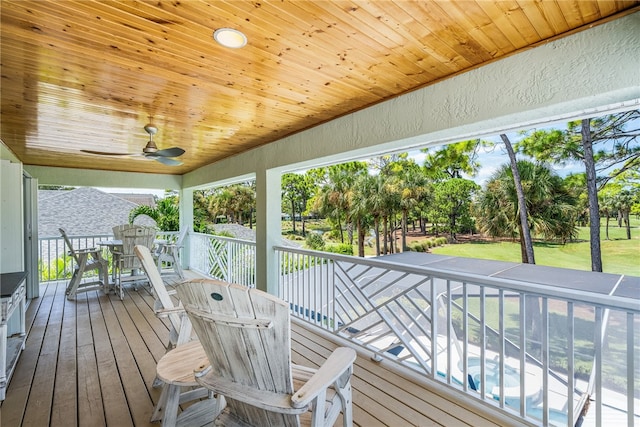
pixel 492 158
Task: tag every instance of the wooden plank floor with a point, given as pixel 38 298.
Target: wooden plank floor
pixel 91 362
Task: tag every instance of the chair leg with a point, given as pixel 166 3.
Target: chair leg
pixel 158 411
pixel 176 266
pixel 119 288
pixel 171 408
pixel 159 262
pixel 72 288
pixel 345 394
pixel 104 273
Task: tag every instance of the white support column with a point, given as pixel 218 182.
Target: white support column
pixel 268 228
pixel 186 222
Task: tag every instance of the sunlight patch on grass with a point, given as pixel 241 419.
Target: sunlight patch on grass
pixel 619 255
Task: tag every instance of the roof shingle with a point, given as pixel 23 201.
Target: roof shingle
pixel 83 211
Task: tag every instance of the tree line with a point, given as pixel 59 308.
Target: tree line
pixel 378 199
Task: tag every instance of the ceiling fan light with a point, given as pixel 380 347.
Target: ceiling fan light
pixel 229 37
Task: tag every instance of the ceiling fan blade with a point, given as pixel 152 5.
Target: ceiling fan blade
pixel 106 153
pixel 167 161
pixel 169 152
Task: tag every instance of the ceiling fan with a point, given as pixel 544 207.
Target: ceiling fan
pixel 150 151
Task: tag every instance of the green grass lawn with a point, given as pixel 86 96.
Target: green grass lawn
pixel 619 255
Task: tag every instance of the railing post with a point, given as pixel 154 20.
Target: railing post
pixel 186 223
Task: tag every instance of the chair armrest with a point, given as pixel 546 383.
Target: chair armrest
pixel 160 311
pixel 87 250
pixel 339 362
pixel 164 312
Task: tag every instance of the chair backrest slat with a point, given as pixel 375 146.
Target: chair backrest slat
pixel 137 235
pixel 146 260
pixel 67 241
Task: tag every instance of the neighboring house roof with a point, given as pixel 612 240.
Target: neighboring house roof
pixel 83 211
pixel 139 199
pixel 44 194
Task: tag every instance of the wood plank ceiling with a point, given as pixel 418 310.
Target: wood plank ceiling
pixel 88 75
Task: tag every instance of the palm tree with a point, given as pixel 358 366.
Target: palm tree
pixel 379 194
pixel 202 215
pixel 405 190
pixel 360 208
pixel 243 201
pixel 551 208
pixel 166 214
pixel 221 203
pixel 336 193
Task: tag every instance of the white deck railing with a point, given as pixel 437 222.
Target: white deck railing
pixel 470 332
pixel 55 262
pixel 223 258
pixel 473 333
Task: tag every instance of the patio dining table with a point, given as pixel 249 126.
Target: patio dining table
pixel 114 246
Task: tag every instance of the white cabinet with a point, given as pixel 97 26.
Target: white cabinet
pixel 12 324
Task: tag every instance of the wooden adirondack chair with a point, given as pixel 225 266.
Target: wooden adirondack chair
pixel 126 259
pixel 118 230
pixel 246 337
pixel 88 259
pixel 180 331
pixel 168 254
pixel 175 368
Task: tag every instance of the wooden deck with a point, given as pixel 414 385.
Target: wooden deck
pixel 91 362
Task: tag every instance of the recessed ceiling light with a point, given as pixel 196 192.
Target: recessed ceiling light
pixel 229 37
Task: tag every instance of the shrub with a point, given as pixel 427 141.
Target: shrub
pixel 416 247
pixel 441 241
pixel 332 234
pixel 343 249
pixel 314 241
